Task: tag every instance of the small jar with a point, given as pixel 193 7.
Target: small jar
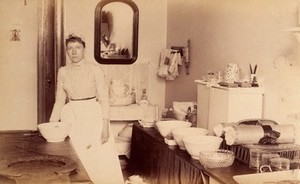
pixel 266 158
pixel 280 164
pixel 144 94
pixel 144 98
pixel 295 163
pixel 255 159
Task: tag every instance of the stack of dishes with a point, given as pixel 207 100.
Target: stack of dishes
pixel 147 123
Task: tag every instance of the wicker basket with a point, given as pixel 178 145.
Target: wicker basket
pixel 216 159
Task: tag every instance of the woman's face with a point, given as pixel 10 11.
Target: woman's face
pixel 75 51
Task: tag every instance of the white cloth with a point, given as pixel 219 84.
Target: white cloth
pixel 164 63
pixel 168 65
pixel 100 161
pixel 219 130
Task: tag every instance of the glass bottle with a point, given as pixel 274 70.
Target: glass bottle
pixel 188 114
pixel 133 94
pixel 194 120
pixel 144 98
pixel 144 94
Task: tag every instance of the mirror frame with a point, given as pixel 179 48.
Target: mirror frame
pixel 97 41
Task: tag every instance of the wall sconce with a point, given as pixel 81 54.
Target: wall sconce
pixel 15 32
pixel 15 35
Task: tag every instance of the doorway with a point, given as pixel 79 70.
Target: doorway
pixel 50 54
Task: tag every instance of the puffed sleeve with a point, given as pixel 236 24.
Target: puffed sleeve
pixel 102 91
pixel 60 98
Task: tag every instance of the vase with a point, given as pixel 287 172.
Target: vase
pixel 232 73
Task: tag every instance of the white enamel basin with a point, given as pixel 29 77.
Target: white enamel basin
pixel 121 101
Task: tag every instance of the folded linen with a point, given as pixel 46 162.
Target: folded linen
pixel 219 130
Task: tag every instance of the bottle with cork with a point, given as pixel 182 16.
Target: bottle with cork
pixel 144 98
pixel 191 115
pixel 133 94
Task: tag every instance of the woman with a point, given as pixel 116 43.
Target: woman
pixel 83 84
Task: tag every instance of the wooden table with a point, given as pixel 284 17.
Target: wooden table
pixel 27 143
pixel 160 163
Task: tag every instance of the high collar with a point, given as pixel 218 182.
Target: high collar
pixel 79 64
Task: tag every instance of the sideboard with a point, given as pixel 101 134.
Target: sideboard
pixel 160 163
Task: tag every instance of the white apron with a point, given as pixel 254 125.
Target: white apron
pixel 100 160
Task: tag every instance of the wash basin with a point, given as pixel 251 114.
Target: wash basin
pixel 37 169
pixel 121 101
pixel 269 177
pixel 119 93
pixel 6 180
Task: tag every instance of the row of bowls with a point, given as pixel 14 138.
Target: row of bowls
pixel 197 143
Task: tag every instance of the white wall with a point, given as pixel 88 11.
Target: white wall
pixel 152 36
pixel 18 65
pixel 18 60
pixel 239 31
pixel 242 32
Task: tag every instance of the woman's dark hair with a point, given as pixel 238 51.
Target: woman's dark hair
pixel 74 38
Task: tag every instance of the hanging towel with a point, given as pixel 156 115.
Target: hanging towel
pixel 168 66
pixel 164 63
pixel 173 68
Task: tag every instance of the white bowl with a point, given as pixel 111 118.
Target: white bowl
pixel 54 131
pixel 179 133
pixel 165 127
pixel 199 143
pixel 147 123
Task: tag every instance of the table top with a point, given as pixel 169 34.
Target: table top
pixel 24 144
pixel 257 90
pixel 222 175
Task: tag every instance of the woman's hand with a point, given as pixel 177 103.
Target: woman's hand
pixel 105 131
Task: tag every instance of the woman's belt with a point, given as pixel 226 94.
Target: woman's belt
pixel 81 99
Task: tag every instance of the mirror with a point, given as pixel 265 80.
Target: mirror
pixel 116 32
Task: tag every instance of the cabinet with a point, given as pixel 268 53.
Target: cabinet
pixel 159 163
pixel 217 104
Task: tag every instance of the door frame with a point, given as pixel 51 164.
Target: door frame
pixel 50 54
